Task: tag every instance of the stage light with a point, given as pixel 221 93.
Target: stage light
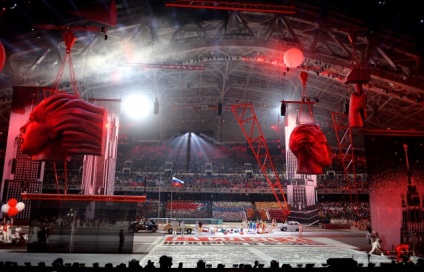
pixel 156 107
pixel 283 108
pixel 219 109
pixel 137 106
pixel 346 108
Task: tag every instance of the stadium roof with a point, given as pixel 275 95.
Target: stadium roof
pixel 194 58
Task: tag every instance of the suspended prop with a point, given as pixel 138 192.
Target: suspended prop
pixel 293 57
pixel 12 207
pixel 2 57
pixel 357 107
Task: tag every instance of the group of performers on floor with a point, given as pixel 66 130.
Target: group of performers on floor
pixel 248 227
pixel 403 250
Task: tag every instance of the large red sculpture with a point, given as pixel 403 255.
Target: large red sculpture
pixel 309 144
pixel 357 111
pixel 2 57
pixel 63 125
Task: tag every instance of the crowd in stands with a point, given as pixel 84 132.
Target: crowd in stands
pixel 144 164
pixel 231 211
pixel 186 209
pixel 339 182
pixel 355 214
pixel 148 160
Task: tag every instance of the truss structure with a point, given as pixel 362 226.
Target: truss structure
pixel 246 117
pixel 78 197
pixel 242 55
pixel 165 66
pixel 234 5
pixel 345 140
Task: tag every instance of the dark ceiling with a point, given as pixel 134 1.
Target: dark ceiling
pixel 241 52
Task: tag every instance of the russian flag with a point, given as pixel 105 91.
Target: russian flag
pixel 177 182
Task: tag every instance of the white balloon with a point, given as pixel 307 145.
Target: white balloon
pixel 5 208
pixel 20 206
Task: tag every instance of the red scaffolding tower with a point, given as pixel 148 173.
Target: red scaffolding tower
pixel 249 124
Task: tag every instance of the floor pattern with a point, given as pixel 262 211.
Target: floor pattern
pixel 231 250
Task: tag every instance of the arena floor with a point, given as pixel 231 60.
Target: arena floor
pixel 315 246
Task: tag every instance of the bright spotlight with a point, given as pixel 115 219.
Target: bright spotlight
pixel 137 106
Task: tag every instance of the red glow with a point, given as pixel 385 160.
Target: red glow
pixel 100 13
pixel 293 57
pixel 303 77
pixel 2 56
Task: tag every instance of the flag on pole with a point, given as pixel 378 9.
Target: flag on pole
pixel 177 182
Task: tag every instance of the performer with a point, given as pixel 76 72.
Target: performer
pixel 174 226
pixel 121 240
pixel 376 247
pixel 401 250
pixel 182 227
pixel 300 230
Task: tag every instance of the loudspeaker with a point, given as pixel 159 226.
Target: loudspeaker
pixel 219 109
pixel 156 107
pixel 13 166
pixel 346 108
pixel 283 109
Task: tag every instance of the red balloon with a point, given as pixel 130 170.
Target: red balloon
pixel 293 57
pixel 12 202
pixel 12 211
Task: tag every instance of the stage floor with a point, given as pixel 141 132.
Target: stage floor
pixel 314 247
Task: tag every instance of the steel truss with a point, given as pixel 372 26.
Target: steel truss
pixel 344 135
pixel 249 124
pixel 78 197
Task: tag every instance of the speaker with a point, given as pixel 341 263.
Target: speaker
pixel 346 108
pixel 13 166
pixel 156 107
pixel 283 109
pixel 219 109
